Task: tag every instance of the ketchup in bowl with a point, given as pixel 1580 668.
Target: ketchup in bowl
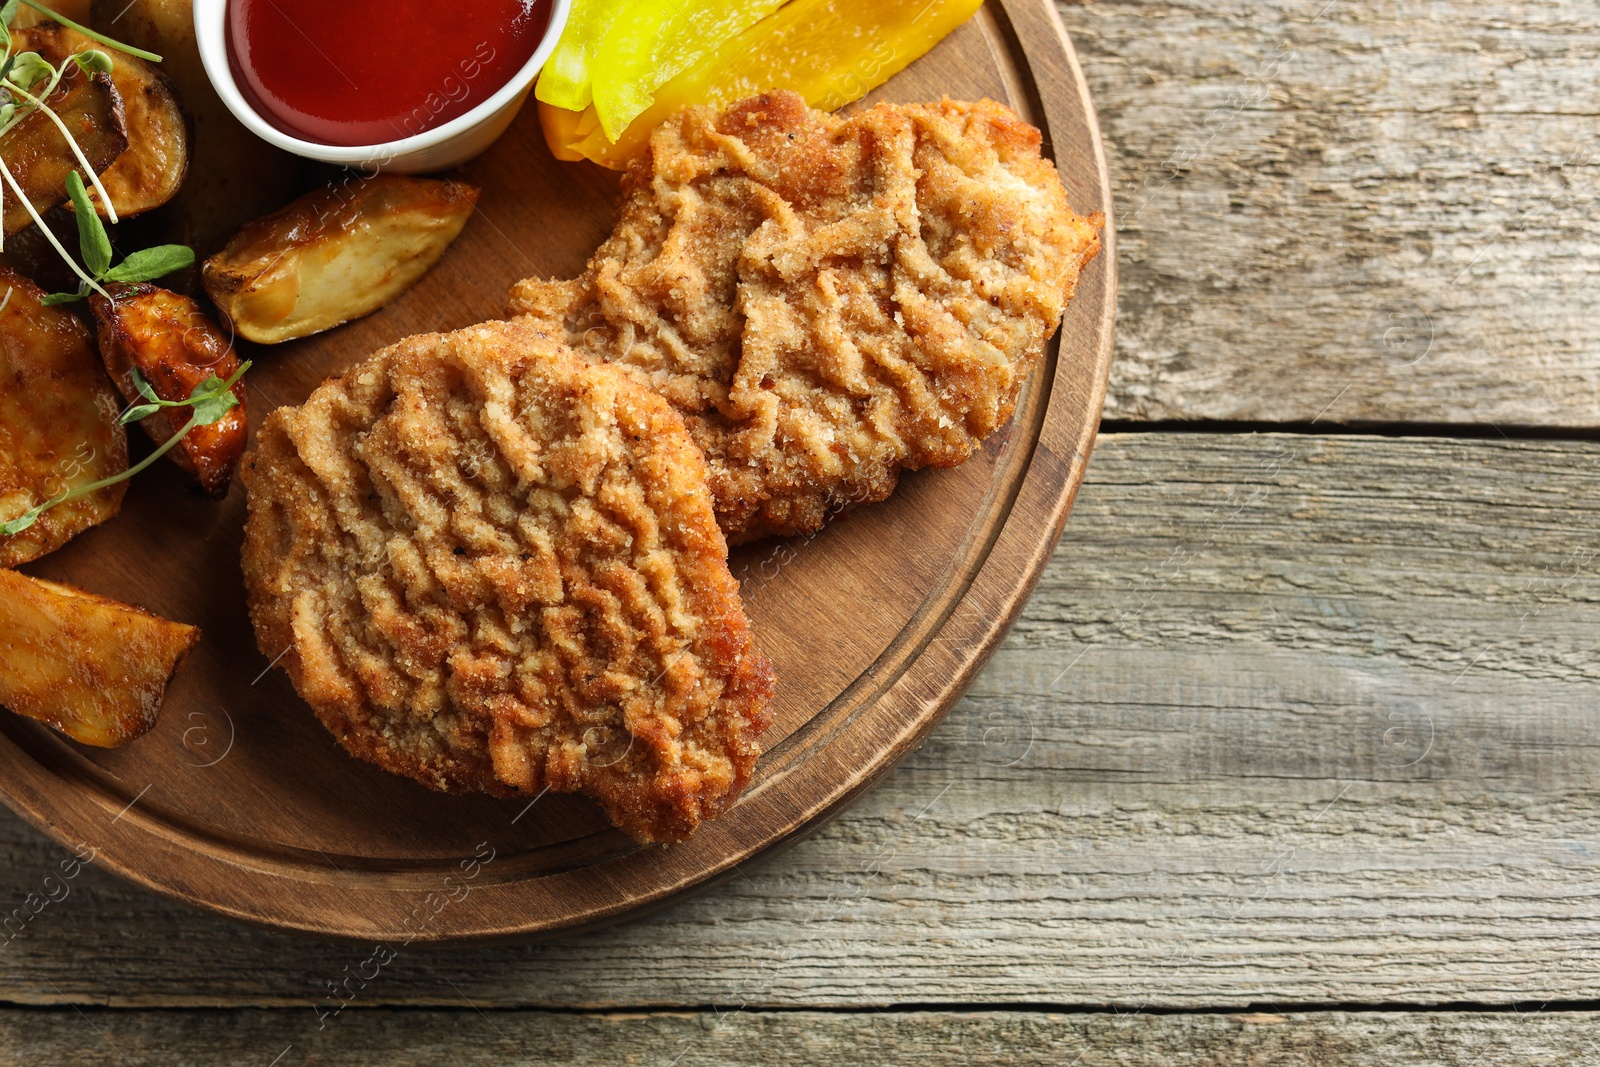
pixel 366 72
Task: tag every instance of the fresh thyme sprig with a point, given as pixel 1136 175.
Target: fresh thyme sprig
pixel 208 402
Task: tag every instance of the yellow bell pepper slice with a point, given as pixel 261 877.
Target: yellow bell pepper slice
pixel 830 52
pixel 565 80
pixel 652 40
pixel 563 129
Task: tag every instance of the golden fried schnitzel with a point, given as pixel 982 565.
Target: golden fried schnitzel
pixel 493 566
pixel 829 300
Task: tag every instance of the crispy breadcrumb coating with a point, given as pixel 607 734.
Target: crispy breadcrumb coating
pixel 829 300
pixel 495 567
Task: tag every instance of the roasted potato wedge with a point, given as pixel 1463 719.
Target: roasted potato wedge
pixel 40 158
pixel 90 667
pixel 234 176
pixel 76 10
pixel 31 254
pixel 176 347
pixel 151 170
pixel 58 423
pixel 335 254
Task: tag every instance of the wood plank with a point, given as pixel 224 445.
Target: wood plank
pixel 1291 720
pixel 1355 209
pixel 689 1039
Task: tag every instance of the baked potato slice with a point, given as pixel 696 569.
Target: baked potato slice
pixel 58 423
pixel 152 168
pixel 175 347
pixel 335 254
pixel 90 667
pixel 76 10
pixel 234 176
pixel 40 158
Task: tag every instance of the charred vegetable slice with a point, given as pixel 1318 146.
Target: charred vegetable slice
pixel 92 668
pixel 159 344
pixel 335 254
pixel 40 158
pixel 151 170
pixel 58 423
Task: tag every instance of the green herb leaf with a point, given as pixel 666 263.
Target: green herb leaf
pixel 8 11
pixel 92 239
pixel 143 386
pixel 93 61
pixel 53 299
pixel 28 69
pixel 149 263
pixel 211 400
pixel 21 522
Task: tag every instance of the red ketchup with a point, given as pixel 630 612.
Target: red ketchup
pixel 365 72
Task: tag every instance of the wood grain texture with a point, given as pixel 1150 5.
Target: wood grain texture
pixel 778 1039
pixel 238 801
pixel 1352 209
pixel 1290 720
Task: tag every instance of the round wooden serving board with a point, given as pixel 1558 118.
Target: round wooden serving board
pixel 240 802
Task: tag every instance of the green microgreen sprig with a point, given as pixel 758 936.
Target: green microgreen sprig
pixel 86 31
pixel 27 80
pixel 208 403
pixel 204 399
pixel 95 247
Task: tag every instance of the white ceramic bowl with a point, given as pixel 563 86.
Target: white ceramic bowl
pixel 446 145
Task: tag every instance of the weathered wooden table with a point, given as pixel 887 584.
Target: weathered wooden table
pixel 1295 756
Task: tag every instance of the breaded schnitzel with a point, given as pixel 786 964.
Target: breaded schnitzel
pixel 829 300
pixel 493 566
